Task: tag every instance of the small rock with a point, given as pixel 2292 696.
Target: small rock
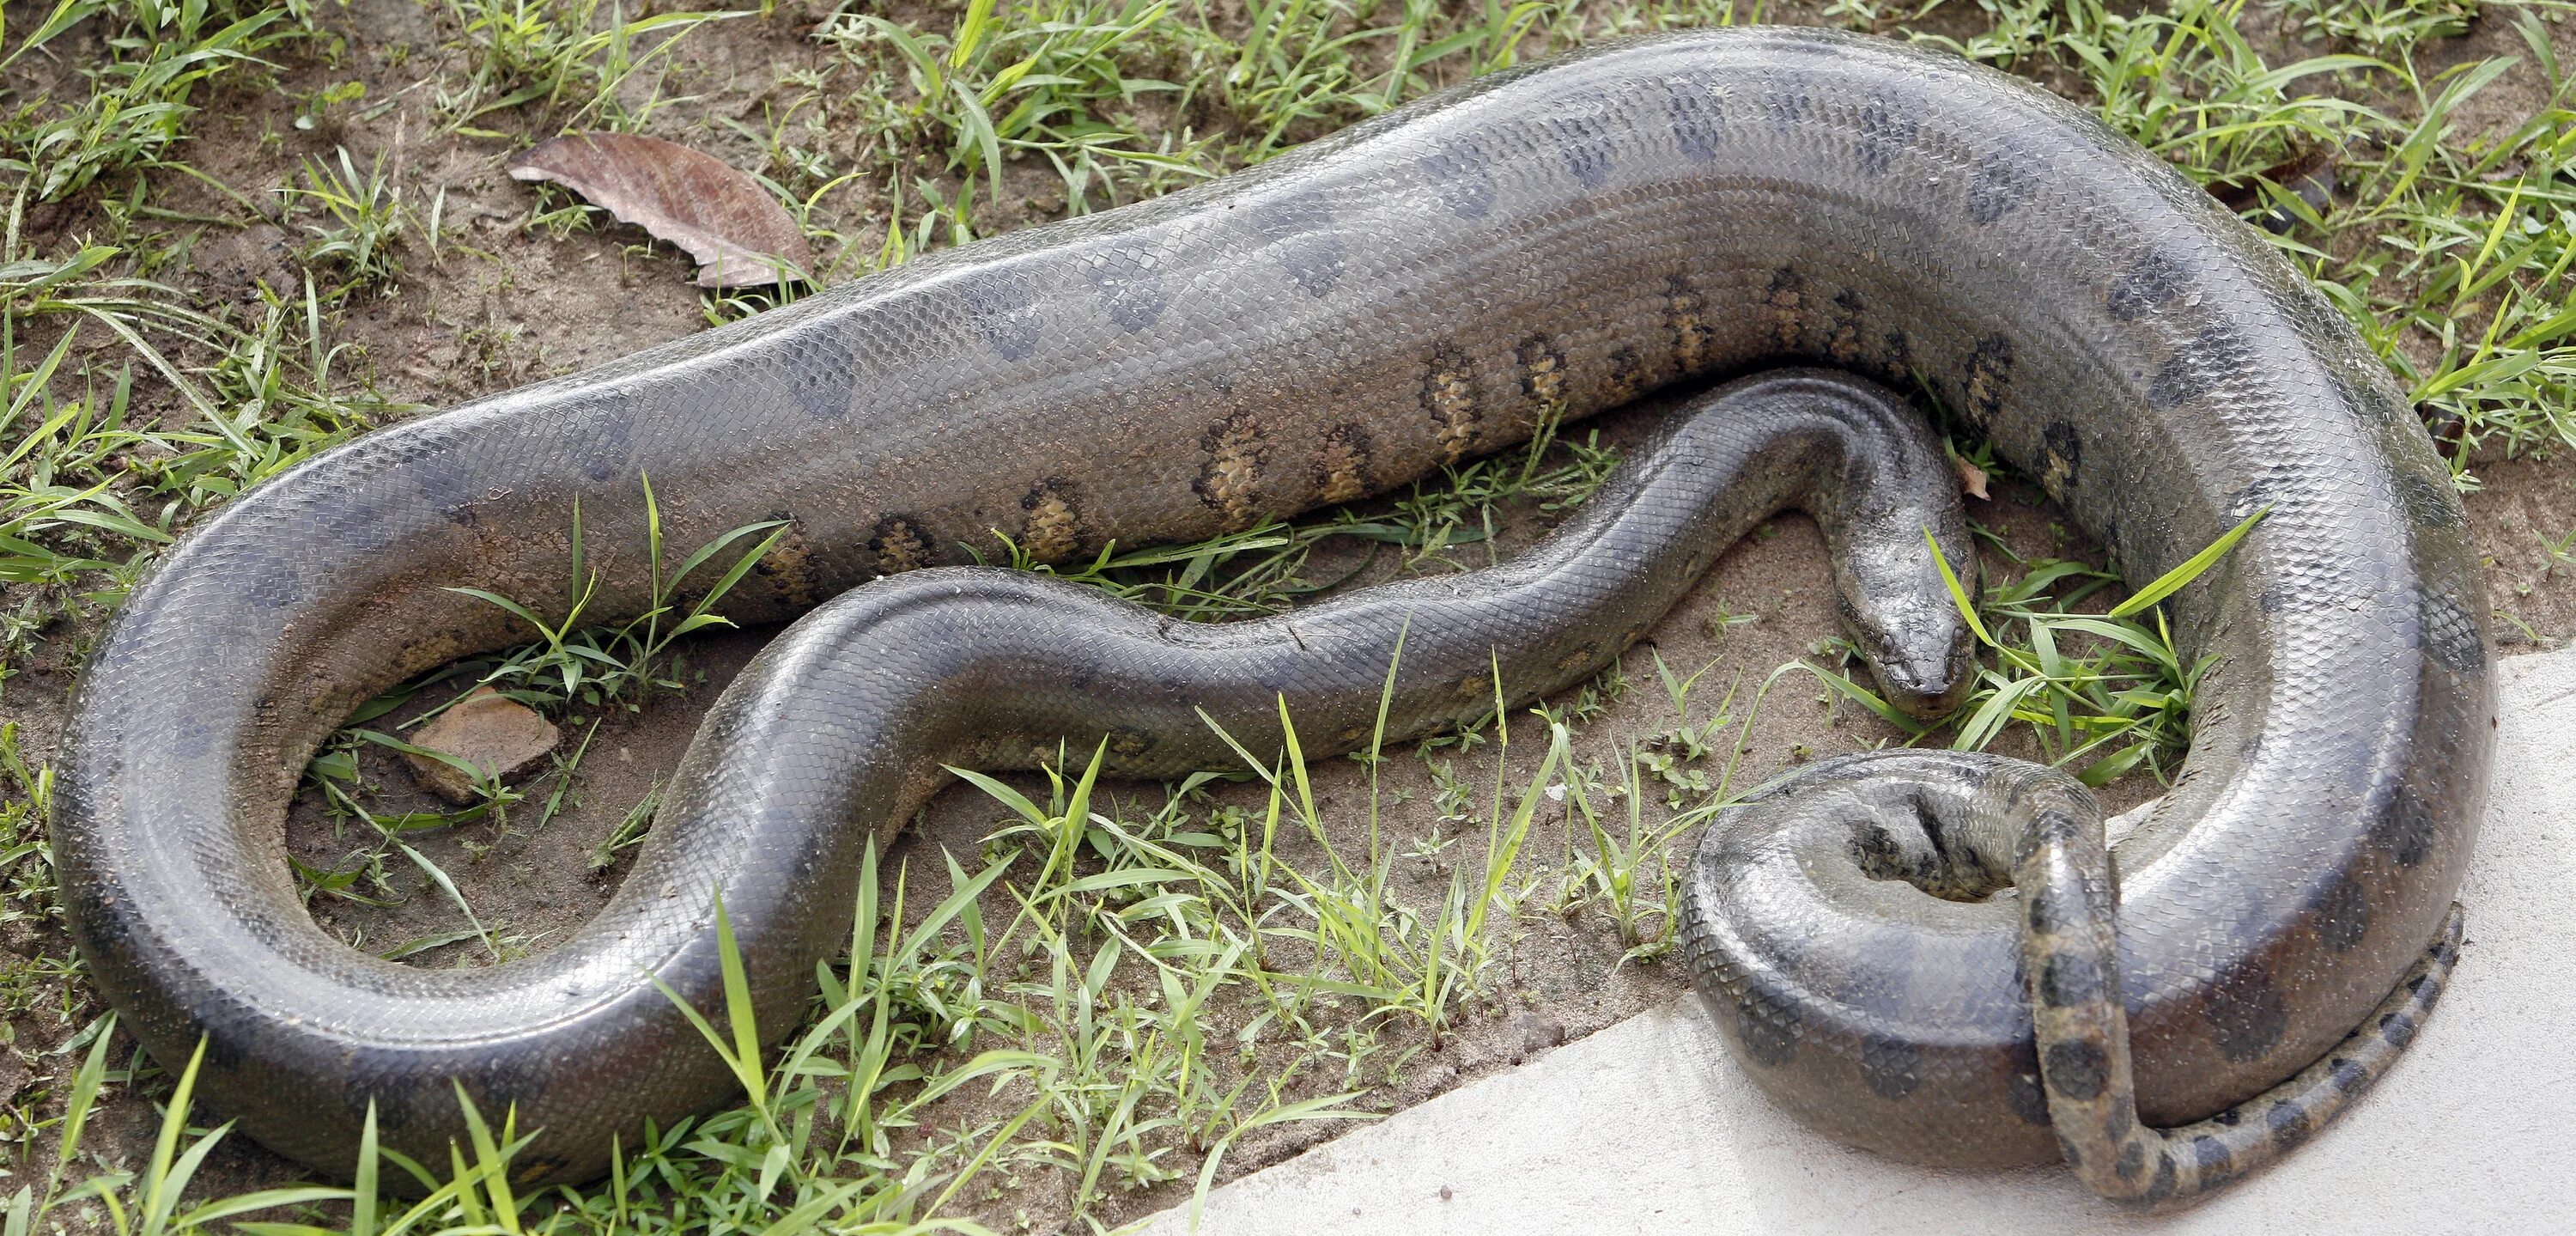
pixel 1537 1032
pixel 486 729
pixel 14 1075
pixel 235 264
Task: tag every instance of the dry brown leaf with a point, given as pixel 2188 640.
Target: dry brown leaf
pixel 738 233
pixel 1972 479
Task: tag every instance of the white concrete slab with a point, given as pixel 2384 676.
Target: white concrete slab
pixel 1647 1127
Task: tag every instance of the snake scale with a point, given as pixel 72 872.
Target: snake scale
pixel 1427 285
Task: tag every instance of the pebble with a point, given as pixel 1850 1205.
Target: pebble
pixel 499 735
pixel 1537 1032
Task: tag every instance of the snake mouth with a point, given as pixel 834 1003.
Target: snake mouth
pixel 1926 688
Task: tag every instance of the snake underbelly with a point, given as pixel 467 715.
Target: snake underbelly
pixel 1421 288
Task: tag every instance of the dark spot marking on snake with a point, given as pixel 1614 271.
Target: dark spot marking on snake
pixel 2133 1160
pixel 2288 1123
pixel 1696 107
pixel 822 378
pixel 189 736
pixel 270 580
pixel 1054 528
pixel 2245 1012
pixel 1896 355
pixel 2045 916
pixel 1768 1023
pixel 1784 100
pixel 2198 366
pixel 507 1082
pixel 1887 127
pixel 2149 283
pixel 2349 1076
pixel 2162 1186
pixel 899 545
pixel 1542 370
pixel 2449 635
pixel 1230 481
pixel 2052 826
pixel 2398 1028
pixel 1300 229
pixel 2064 457
pixel 362 516
pixel 600 429
pixel 1128 279
pixel 2405 830
pixel 1584 138
pixel 442 481
pixel 1988 375
pixel 2078 1069
pixel 224 1054
pixel 1449 395
pixel 1782 308
pixel 1628 377
pixel 1843 335
pixel 2342 914
pixel 2429 503
pixel 2216 1164
pixel 1890 1066
pixel 1342 466
pixel 2070 978
pixel 1686 325
pixel 789 567
pixel 1461 175
pixel 1003 310
pixel 2001 182
pixel 538 1168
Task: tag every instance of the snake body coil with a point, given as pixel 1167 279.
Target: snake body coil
pixel 1420 288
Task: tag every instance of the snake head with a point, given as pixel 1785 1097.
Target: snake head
pixel 1897 606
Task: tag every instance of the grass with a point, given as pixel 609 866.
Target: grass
pixel 359 222
pixel 133 109
pixel 1104 996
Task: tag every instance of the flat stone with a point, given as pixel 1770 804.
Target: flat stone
pixel 493 732
pixel 1649 1127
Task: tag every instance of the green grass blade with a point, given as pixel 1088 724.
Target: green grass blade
pixel 2172 581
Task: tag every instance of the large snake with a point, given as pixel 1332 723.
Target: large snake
pixel 1430 284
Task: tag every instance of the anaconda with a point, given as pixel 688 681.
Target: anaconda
pixel 1548 241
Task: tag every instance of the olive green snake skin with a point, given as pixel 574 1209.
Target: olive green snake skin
pixel 1425 286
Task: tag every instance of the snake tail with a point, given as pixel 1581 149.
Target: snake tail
pixel 1890 828
pixel 2070 953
